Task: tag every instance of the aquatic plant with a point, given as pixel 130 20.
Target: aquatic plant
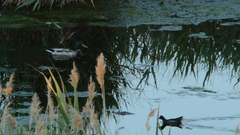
pixel 65 117
pixel 100 71
pixel 69 120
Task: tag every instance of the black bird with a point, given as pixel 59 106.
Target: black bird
pixel 176 122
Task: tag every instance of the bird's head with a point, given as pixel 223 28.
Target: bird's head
pixel 79 44
pixel 162 118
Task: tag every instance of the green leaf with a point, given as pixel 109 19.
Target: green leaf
pixel 62 110
pixel 59 93
pixel 55 23
pixel 76 105
pixel 25 4
pixel 22 130
pixel 69 99
pixel 37 3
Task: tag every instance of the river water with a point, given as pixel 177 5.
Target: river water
pixel 181 69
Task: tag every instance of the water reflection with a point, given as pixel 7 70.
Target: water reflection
pixel 134 51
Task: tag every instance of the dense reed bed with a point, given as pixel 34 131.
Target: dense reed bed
pixel 37 4
pixel 63 118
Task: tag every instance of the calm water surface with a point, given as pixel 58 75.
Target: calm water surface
pixel 188 71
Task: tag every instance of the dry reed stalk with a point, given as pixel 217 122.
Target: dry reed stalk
pixel 5 112
pixel 73 80
pixel 77 121
pixel 237 129
pixel 93 4
pixel 1 91
pixel 89 107
pixel 117 131
pixel 94 119
pixel 39 130
pixel 151 114
pixel 9 88
pixel 48 87
pixel 91 90
pixel 35 109
pixel 51 109
pixel 74 76
pixel 100 71
pixel 11 122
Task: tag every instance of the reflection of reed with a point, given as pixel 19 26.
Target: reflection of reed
pixel 190 49
pixel 123 49
pixel 37 4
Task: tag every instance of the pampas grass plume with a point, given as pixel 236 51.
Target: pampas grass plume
pixel 35 109
pixel 100 69
pixel 77 121
pixel 91 89
pixel 9 88
pixel 74 76
pixel 11 121
pixel 50 103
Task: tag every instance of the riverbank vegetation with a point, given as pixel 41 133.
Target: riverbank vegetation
pixel 37 4
pixel 65 118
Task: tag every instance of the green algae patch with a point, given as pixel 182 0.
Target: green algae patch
pixel 18 21
pixel 70 15
pixel 46 18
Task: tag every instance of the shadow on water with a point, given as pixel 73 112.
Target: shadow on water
pixel 212 45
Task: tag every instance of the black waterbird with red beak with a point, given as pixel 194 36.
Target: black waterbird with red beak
pixel 176 122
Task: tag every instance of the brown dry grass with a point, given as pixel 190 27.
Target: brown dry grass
pixel 89 108
pixel 35 110
pixel 1 91
pixel 100 71
pixel 117 131
pixel 8 90
pixel 151 114
pixel 74 76
pixel 77 120
pixel 11 121
pixel 8 121
pixel 51 109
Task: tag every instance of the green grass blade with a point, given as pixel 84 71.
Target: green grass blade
pixel 69 99
pixel 1 131
pixel 62 100
pixel 76 104
pixel 62 110
pixel 48 83
pixel 59 92
pixel 25 4
pixel 22 130
pixel 37 4
pixel 55 23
